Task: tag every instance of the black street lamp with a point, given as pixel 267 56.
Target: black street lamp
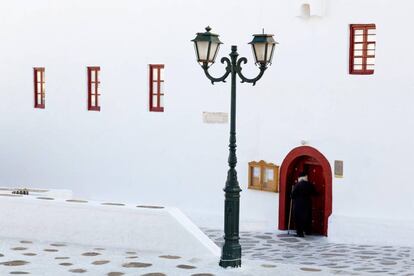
pixel 207 45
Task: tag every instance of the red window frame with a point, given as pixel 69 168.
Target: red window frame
pixel 93 88
pixel 362 49
pixel 156 93
pixel 39 87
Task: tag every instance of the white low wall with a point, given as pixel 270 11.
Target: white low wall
pixel 371 231
pixel 36 192
pixel 165 230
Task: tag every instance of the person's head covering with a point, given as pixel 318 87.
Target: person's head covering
pixel 303 176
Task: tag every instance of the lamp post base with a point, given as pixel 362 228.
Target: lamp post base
pixel 231 255
pixel 230 263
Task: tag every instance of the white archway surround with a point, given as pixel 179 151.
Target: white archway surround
pixel 126 153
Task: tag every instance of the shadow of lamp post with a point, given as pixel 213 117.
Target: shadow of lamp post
pixel 206 46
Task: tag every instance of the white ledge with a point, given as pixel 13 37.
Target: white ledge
pixel 100 224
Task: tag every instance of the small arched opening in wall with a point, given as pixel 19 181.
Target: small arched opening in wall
pixel 310 160
pixel 310 8
pixel 305 11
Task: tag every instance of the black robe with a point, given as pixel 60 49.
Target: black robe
pixel 302 205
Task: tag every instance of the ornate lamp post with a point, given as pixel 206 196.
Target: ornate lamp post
pixel 207 45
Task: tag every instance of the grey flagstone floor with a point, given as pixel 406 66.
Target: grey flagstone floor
pixel 344 259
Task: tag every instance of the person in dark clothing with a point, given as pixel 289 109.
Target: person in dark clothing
pixel 302 194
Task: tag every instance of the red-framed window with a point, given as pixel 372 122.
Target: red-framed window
pixel 39 87
pixel 156 87
pixel 94 88
pixel 362 49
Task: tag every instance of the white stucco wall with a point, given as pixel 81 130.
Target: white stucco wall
pixel 125 152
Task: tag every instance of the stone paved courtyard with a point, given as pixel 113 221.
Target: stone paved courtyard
pixel 343 259
pixel 264 253
pixel 24 257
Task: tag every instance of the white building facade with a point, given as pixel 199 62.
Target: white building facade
pixel 126 152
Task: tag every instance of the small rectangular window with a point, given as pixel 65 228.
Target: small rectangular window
pixel 362 49
pixel 156 87
pixel 39 87
pixel 94 88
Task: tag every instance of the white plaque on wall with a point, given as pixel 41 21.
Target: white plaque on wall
pixel 339 168
pixel 215 117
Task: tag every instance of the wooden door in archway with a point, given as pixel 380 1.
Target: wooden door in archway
pixel 315 174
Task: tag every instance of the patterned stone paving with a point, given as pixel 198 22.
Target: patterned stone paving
pixel 263 254
pixel 59 259
pixel 344 259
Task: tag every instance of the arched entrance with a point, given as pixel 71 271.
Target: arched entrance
pixel 307 159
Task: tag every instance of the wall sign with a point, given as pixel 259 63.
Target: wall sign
pixel 215 117
pixel 339 168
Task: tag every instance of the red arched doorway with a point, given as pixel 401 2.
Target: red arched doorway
pixel 307 159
